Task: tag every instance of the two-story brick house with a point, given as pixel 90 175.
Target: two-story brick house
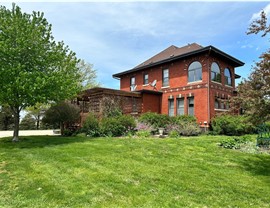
pixel 191 80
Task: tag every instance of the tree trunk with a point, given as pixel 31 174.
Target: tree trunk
pixel 38 121
pixel 62 128
pixel 16 125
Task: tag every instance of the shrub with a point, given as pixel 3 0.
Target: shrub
pixel 235 142
pixel 91 126
pixel 143 133
pixel 128 122
pixel 184 125
pixel 144 126
pixel 111 126
pixel 173 134
pixel 154 119
pixel 232 125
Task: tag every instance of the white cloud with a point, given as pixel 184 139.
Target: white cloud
pixel 257 15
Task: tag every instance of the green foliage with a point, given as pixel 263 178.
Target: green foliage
pixel 62 113
pixel 154 119
pixel 33 66
pixel 235 142
pixel 28 123
pixel 183 119
pixel 88 75
pixel 232 125
pixel 117 126
pixel 184 126
pixel 111 126
pixel 174 134
pixel 6 118
pixel 143 133
pixel 91 126
pixel 128 122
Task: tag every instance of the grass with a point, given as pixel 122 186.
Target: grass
pixel 111 172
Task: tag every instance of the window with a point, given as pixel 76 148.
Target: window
pixel 195 72
pixel 132 84
pixel 215 72
pixel 171 107
pixel 180 106
pixel 228 79
pixel 145 79
pixel 191 106
pixel 165 77
pixel 216 104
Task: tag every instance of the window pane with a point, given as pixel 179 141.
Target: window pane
pixel 145 79
pixel 171 107
pixel 165 81
pixel 195 72
pixel 228 79
pixel 191 106
pixel 216 104
pixel 180 106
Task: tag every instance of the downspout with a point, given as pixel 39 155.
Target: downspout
pixel 208 87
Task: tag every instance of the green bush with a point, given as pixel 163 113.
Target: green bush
pixel 155 120
pixel 91 126
pixel 183 118
pixel 110 126
pixel 232 125
pixel 173 134
pixel 143 133
pixel 235 142
pixel 128 122
pixel 184 125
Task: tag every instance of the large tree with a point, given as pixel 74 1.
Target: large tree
pixel 33 66
pixel 254 92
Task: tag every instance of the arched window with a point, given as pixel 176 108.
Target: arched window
pixel 215 72
pixel 195 72
pixel 228 78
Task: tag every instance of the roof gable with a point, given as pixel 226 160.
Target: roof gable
pixel 170 52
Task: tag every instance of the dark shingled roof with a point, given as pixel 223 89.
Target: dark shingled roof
pixel 174 53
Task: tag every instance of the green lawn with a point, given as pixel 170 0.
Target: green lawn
pixel 112 172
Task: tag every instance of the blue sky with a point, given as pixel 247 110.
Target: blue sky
pixel 117 36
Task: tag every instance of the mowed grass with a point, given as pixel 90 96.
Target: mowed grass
pixel 111 172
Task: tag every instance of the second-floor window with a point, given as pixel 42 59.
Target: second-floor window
pixel 145 79
pixel 132 84
pixel 228 78
pixel 215 72
pixel 195 72
pixel 165 77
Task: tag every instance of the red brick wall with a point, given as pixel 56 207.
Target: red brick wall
pixel 178 84
pixel 151 102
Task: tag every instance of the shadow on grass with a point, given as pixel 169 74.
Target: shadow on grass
pixel 258 165
pixel 40 141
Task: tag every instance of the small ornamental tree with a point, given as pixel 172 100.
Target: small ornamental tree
pixel 34 68
pixel 62 113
